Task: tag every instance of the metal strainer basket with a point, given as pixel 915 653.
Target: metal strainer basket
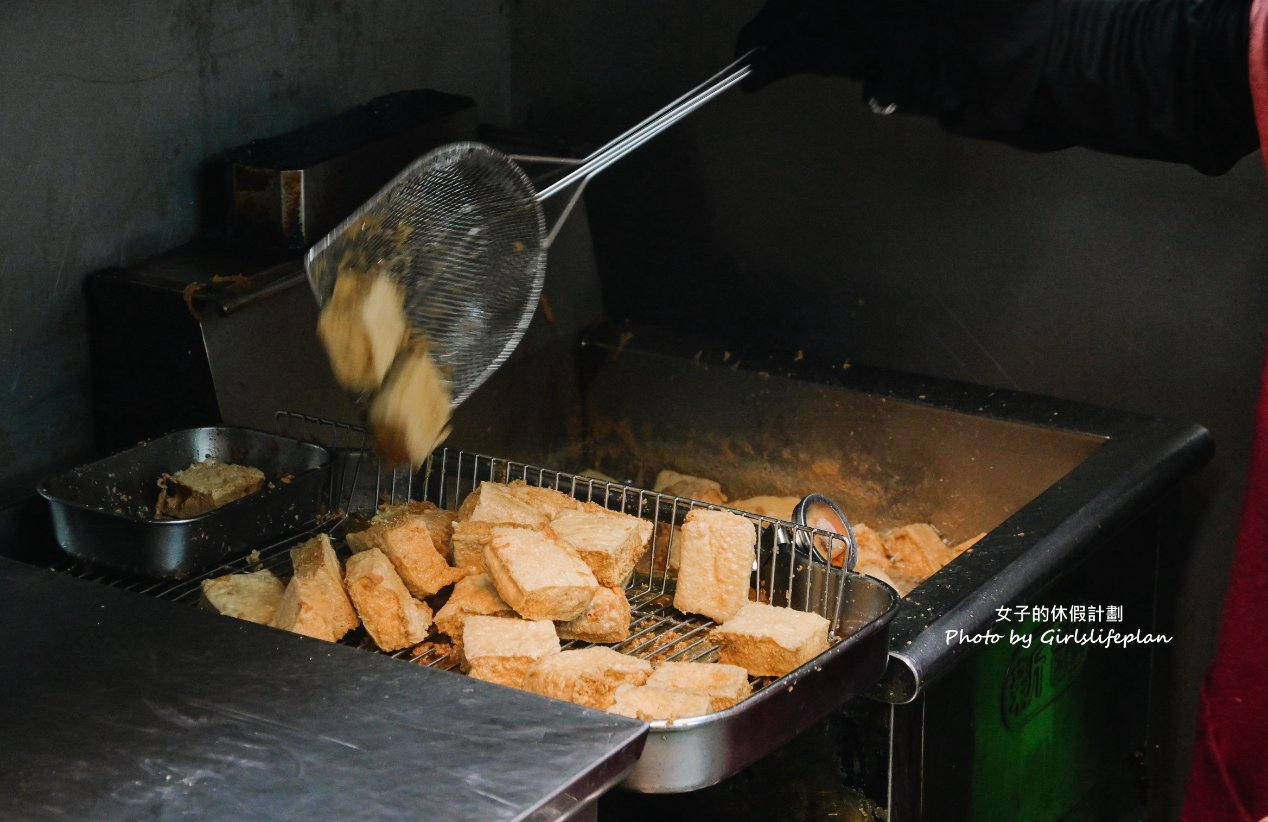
pixel 462 231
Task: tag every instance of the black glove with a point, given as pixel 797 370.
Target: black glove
pixel 804 37
pixel 1164 79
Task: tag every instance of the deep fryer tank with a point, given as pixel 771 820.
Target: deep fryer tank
pixel 1074 501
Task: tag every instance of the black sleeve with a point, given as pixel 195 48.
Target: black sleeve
pixel 1163 79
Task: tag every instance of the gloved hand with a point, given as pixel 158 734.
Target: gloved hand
pixel 888 45
pixel 1164 79
pixel 805 36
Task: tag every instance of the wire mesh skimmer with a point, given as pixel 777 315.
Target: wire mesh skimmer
pixel 463 232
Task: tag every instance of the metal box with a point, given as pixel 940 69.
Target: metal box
pixel 103 512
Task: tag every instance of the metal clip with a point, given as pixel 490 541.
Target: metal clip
pixel 877 107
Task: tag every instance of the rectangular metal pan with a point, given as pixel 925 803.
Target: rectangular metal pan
pixel 688 754
pixel 685 754
pixel 692 753
pixel 103 512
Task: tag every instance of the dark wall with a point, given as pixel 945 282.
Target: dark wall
pixel 797 217
pixel 110 109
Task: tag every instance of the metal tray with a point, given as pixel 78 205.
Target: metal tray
pixel 680 755
pixel 692 753
pixel 103 512
pixel 696 752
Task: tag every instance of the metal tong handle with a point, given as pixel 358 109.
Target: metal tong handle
pixel 651 126
pixel 802 515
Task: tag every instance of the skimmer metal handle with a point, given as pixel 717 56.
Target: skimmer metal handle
pixel 651 126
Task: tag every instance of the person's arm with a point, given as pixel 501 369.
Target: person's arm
pixel 1163 79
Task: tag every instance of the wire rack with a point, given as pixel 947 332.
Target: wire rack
pixel 785 572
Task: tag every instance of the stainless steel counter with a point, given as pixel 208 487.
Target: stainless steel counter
pixel 120 706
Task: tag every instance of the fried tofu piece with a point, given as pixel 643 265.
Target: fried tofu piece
pixel 361 327
pixel 392 617
pixel 501 649
pixel 609 542
pixel 871 546
pixel 916 550
pixel 586 676
pixel 472 596
pixel 605 620
pixel 874 561
pixel 767 506
pixel 469 541
pixel 546 500
pixel 494 502
pixel 724 684
pixel 409 415
pixel 315 603
pixel 903 557
pixel 767 640
pixel 406 540
pixel 205 486
pixel 253 597
pixel 652 702
pixel 537 575
pixel 439 523
pixel 689 487
pixel 439 520
pixel 718 550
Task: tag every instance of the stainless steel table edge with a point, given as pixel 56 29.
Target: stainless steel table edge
pixel 120 704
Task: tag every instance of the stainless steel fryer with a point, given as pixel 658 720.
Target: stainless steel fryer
pixel 1073 499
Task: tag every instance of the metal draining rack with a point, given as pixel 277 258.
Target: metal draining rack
pixel 783 574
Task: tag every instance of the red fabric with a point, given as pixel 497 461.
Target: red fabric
pixel 1229 775
pixel 1258 68
pixel 1228 781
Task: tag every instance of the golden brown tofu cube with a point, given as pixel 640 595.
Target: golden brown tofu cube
pixel 361 327
pixel 537 575
pixel 606 620
pixel 724 684
pixel 652 702
pixel 608 541
pixel 392 617
pixel 472 596
pixel 718 550
pixel 767 640
pixel 586 676
pixel 205 486
pixel 494 502
pixel 253 597
pixel 546 500
pixel 501 649
pixel 409 415
pixel 406 540
pixel 689 487
pixel 315 603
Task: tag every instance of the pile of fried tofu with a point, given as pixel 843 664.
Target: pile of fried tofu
pixel 902 557
pixel 516 571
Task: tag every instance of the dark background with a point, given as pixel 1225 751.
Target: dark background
pixel 792 216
